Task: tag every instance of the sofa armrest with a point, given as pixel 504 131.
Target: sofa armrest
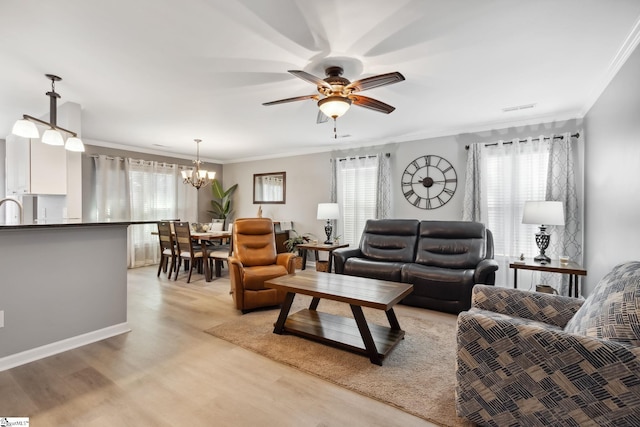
pixel 485 272
pixel 525 371
pixel 547 308
pixel 341 255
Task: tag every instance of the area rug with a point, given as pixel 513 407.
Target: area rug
pixel 417 377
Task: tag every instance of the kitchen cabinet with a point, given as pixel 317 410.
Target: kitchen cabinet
pixel 35 168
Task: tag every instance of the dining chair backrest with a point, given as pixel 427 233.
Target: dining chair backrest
pixel 171 221
pixel 183 237
pixel 166 239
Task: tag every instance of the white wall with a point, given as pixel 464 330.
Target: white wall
pixel 612 186
pixel 307 185
pixel 308 176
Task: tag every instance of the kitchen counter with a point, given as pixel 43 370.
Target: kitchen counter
pixel 69 223
pixel 63 285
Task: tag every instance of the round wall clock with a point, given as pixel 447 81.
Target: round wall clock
pixel 429 182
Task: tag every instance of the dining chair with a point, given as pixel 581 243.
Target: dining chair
pixel 220 253
pixel 167 247
pixel 187 251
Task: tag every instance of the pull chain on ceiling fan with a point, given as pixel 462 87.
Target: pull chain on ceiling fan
pixel 340 93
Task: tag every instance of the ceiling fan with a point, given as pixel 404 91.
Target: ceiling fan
pixel 338 93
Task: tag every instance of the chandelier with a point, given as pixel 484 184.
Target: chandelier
pixel 198 177
pixel 26 127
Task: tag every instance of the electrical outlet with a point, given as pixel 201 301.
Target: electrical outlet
pixel 1 318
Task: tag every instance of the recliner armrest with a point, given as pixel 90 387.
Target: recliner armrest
pixel 547 308
pixel 485 272
pixel 340 256
pixel 286 259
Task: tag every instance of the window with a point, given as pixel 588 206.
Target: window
pixel 513 176
pixel 357 187
pixel 136 190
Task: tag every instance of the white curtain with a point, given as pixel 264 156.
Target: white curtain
pixel 138 190
pixel 501 177
pixel 362 190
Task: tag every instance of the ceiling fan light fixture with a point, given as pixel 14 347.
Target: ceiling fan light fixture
pixel 25 129
pixel 52 137
pixel 334 106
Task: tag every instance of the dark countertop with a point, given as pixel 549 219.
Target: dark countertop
pixel 70 223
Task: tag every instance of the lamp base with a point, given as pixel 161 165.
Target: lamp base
pixel 542 259
pixel 542 240
pixel 328 229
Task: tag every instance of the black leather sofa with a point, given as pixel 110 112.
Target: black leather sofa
pixel 443 260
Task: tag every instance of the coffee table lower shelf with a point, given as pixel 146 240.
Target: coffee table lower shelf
pixel 341 332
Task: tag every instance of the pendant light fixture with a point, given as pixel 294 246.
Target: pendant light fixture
pixel 26 127
pixel 198 177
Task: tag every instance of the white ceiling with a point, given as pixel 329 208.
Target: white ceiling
pixel 163 72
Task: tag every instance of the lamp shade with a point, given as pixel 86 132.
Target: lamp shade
pixel 74 144
pixel 25 129
pixel 334 106
pixel 328 211
pixel 52 137
pixel 543 212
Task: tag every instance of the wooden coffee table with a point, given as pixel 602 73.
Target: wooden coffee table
pixel 353 334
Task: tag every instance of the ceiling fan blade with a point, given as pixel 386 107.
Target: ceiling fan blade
pixel 310 78
pixel 297 98
pixel 322 117
pixel 375 81
pixel 372 104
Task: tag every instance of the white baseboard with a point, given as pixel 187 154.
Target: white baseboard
pixel 37 353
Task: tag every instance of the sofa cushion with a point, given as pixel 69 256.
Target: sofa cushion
pixel 439 283
pixel 451 244
pixel 381 270
pixel 612 310
pixel 390 240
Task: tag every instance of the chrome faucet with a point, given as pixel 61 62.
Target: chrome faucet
pixel 17 202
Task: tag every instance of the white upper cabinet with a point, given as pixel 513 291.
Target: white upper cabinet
pixel 35 168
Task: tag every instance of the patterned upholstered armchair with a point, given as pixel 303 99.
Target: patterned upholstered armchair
pixel 527 358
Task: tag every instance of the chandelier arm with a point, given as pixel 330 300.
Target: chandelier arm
pixel 33 119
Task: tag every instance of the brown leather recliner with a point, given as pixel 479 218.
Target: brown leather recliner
pixel 255 260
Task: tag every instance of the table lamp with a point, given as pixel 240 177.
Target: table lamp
pixel 328 211
pixel 543 213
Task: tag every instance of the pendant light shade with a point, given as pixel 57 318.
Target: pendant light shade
pixel 334 106
pixel 25 129
pixel 74 144
pixel 52 137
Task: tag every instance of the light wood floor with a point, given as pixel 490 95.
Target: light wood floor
pixel 168 372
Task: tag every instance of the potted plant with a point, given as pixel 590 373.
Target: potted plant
pixel 292 243
pixel 221 203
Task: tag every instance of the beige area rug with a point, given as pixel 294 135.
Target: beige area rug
pixel 418 376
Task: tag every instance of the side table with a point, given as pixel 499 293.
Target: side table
pixel 317 248
pixel 571 268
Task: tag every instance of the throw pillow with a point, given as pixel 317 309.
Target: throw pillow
pixel 612 311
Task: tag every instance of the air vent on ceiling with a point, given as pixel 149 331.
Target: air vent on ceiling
pixel 518 107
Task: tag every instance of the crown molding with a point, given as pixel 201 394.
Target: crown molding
pixel 619 59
